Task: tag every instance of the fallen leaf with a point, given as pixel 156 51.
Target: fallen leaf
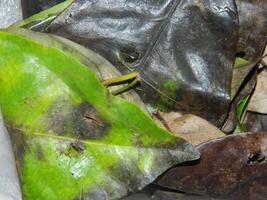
pixel 252 33
pixel 168 43
pixel 190 127
pixel 258 101
pixel 232 167
pixel 255 122
pixel 156 194
pixel 244 91
pixel 241 70
pixel 72 139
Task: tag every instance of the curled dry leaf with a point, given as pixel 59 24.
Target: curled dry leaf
pixel 258 101
pixel 232 167
pixel 192 128
pixel 241 70
pixel 168 42
pixel 72 139
pixel 245 91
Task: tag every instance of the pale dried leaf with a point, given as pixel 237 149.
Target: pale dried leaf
pixel 264 60
pixel 258 102
pixel 192 128
pixel 239 75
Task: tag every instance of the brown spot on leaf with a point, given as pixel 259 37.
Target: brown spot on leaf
pixel 82 122
pixel 39 152
pixel 18 144
pixel 77 146
pixel 88 124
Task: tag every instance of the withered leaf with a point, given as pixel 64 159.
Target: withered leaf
pixel 255 122
pixel 232 167
pixel 69 134
pixel 192 128
pixel 258 101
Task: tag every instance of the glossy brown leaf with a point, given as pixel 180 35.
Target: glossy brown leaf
pixel 232 167
pixel 184 49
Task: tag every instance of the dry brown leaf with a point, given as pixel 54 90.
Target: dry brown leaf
pixel 231 121
pixel 231 168
pixel 258 101
pixel 239 75
pixel 264 60
pixel 255 122
pixel 192 128
pixel 154 193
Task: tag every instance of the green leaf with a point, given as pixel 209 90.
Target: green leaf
pixel 240 113
pixel 73 139
pixel 240 62
pixel 43 18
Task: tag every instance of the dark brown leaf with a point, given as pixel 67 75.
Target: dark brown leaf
pixel 253 22
pixel 185 49
pixel 233 167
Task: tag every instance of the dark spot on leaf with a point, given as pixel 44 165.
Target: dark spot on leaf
pixel 18 144
pixel 241 54
pixel 39 152
pixel 77 146
pixel 82 122
pixel 88 124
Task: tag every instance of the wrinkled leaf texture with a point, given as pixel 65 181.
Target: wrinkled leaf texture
pixel 72 139
pixel 185 49
pixel 231 167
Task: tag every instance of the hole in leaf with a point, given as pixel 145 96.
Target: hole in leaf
pixel 241 54
pixel 255 158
